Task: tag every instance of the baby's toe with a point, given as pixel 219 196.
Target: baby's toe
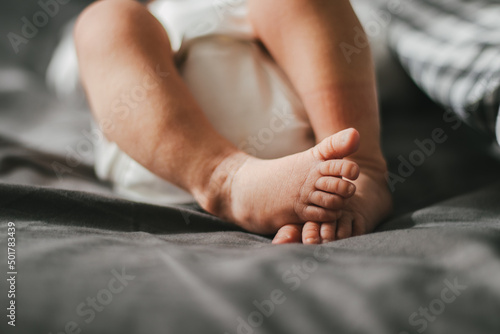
pixel 339 145
pixel 344 227
pixel 328 232
pixel 310 233
pixel 327 200
pixel 336 185
pixel 287 234
pixel 318 214
pixel 340 168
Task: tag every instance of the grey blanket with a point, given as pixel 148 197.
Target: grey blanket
pixel 89 262
pixel 109 266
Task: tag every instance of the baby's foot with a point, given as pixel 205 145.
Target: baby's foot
pixel 361 214
pixel 263 195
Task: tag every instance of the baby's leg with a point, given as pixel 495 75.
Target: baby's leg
pixel 119 43
pixel 304 36
pixel 123 50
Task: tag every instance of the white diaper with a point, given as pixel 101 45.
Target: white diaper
pixel 244 94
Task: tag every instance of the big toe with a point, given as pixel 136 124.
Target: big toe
pixel 288 234
pixel 339 145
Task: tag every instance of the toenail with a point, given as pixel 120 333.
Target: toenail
pixel 326 241
pixel 345 138
pixel 351 189
pixel 312 240
pixel 355 171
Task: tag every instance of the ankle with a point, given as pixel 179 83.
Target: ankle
pixel 214 193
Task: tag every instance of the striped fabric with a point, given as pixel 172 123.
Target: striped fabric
pixel 451 49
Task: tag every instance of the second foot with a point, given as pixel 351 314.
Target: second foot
pixel 362 214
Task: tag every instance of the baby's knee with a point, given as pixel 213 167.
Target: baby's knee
pixel 104 21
